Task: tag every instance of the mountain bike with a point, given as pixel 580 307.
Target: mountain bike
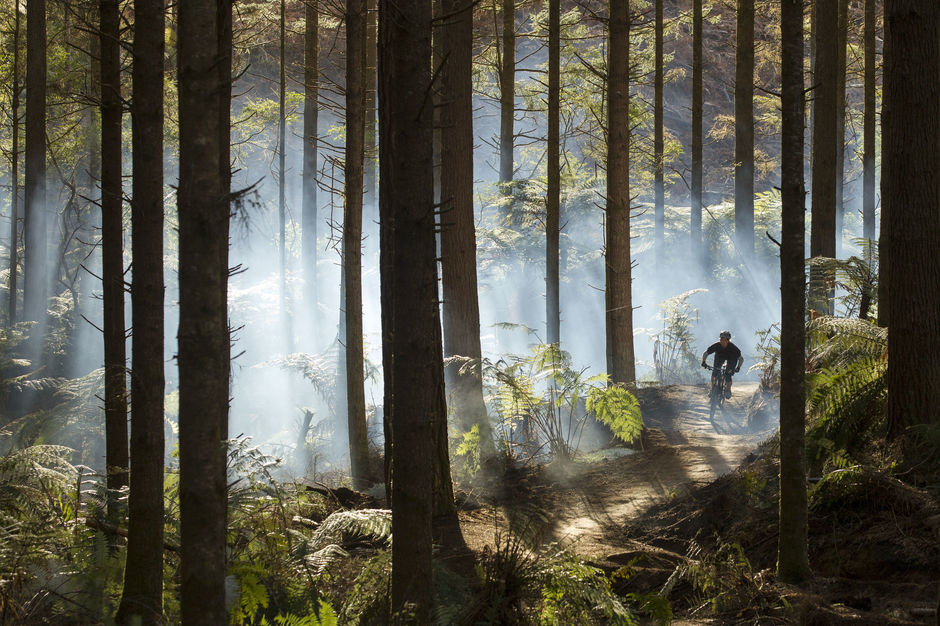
pixel 716 396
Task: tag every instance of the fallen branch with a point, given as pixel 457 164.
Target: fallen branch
pixel 113 529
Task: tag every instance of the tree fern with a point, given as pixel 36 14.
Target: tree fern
pixel 846 392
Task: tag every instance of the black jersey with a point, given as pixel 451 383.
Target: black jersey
pixel 729 354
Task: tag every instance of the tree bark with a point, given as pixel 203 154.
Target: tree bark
pixel 112 253
pixel 286 325
pixel 507 96
pixel 414 389
pixel 461 308
pixel 868 123
pixel 14 166
pixel 370 182
pixel 205 64
pixel 698 257
pixel 792 557
pixel 309 200
pixel 841 36
pixel 553 194
pixel 352 241
pixel 824 153
pixel 618 282
pixel 35 284
pixel 911 216
pixel 659 183
pixel 744 131
pixel 142 596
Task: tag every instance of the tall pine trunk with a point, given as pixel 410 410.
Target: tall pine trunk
pixel 352 241
pixel 205 62
pixel 824 152
pixel 841 35
pixel 792 559
pixel 868 126
pixel 911 211
pixel 112 252
pixel 14 166
pixel 618 282
pixel 308 242
pixel 370 181
pixel 553 194
pixel 744 131
pixel 35 288
pixel 659 183
pixel 143 574
pixel 461 308
pixel 507 95
pixel 414 389
pixel 286 322
pixel 697 105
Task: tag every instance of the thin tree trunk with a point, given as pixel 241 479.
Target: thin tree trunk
pixel 112 253
pixel 619 302
pixel 553 194
pixel 309 218
pixel 659 192
pixel 507 96
pixel 370 202
pixel 143 575
pixel 286 325
pixel 352 241
pixel 823 224
pixel 841 35
pixel 461 308
pixel 35 287
pixel 697 105
pixel 414 385
pixel 744 131
pixel 14 166
pixel 205 64
pixel 792 559
pixel 868 148
pixel 911 215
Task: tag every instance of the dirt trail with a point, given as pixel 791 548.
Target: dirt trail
pixel 587 507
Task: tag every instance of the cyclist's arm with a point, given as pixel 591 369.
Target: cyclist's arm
pixel 740 361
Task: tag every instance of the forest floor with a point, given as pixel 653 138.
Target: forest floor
pixel 692 514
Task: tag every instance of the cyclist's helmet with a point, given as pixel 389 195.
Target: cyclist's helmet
pixel 725 334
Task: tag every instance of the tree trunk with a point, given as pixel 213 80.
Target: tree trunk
pixel 286 326
pixel 697 105
pixel 841 35
pixel 507 96
pixel 659 192
pixel 414 385
pixel 868 148
pixel 143 575
pixel 553 195
pixel 461 307
pixel 911 215
pixel 619 315
pixel 370 202
pixel 14 166
pixel 112 253
pixel 792 559
pixel 309 219
pixel 352 241
pixel 823 224
pixel 744 131
pixel 205 64
pixel 35 283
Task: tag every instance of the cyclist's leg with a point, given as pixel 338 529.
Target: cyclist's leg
pixel 729 372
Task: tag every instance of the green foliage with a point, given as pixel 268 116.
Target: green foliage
pixel 343 527
pixel 543 399
pixel 673 358
pixel 855 280
pixel 768 354
pixel 619 409
pixel 846 390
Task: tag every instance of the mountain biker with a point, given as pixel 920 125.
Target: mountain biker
pixel 725 352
